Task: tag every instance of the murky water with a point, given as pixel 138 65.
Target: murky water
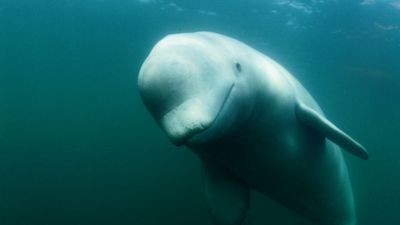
pixel 78 147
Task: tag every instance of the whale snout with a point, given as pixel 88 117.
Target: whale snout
pixel 185 121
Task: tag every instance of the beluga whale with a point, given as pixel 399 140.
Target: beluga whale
pixel 253 126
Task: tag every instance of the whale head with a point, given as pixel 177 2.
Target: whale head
pixel 191 87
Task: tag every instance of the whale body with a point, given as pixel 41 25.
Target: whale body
pixel 252 124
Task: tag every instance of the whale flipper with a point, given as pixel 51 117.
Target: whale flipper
pixel 311 118
pixel 227 197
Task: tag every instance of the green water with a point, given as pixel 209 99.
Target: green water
pixel 78 147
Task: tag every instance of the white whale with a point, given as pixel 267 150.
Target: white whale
pixel 252 124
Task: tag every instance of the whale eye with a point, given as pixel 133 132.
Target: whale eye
pixel 238 67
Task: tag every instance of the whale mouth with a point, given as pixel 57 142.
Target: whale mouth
pixel 190 123
pixel 206 133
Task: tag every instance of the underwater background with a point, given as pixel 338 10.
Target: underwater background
pixel 78 147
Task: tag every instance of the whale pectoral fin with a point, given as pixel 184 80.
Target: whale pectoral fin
pixel 227 197
pixel 313 119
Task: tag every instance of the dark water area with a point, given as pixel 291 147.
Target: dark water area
pixel 78 147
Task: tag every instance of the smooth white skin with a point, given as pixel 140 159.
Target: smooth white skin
pixel 185 82
pixel 244 120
